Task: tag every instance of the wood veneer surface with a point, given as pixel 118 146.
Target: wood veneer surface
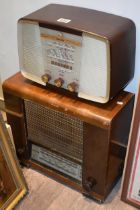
pixel 94 113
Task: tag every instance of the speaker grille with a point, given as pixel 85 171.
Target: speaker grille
pixel 54 130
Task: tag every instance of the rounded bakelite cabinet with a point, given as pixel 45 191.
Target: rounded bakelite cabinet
pixel 72 87
pixel 45 78
pixel 58 82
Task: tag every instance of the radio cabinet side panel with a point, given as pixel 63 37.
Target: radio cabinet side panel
pixel 13 104
pixel 121 123
pixel 15 118
pixel 120 129
pixel 122 54
pixel 95 161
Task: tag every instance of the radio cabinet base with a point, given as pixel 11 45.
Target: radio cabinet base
pixel 79 143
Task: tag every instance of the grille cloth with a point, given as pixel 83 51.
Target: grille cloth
pixel 55 130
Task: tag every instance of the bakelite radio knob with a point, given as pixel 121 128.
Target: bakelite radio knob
pixel 58 82
pixel 72 87
pixel 46 78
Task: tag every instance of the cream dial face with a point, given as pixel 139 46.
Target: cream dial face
pixel 61 52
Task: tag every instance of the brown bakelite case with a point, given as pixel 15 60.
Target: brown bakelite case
pixel 105 130
pixel 119 31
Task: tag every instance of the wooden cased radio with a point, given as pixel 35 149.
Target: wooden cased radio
pixel 88 52
pixel 78 142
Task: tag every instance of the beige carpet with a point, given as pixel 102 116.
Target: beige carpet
pixel 47 194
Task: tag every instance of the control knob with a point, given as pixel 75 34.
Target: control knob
pixel 72 87
pixel 89 184
pixel 58 82
pixel 45 78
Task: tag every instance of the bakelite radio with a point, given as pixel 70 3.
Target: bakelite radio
pixel 88 52
pixel 78 142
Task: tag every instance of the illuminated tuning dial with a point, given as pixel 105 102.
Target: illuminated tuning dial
pixel 72 87
pixel 45 78
pixel 58 82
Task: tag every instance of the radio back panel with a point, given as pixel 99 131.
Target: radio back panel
pixel 82 57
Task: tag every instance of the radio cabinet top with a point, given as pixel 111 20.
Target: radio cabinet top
pixel 77 49
pixel 80 20
pixel 97 114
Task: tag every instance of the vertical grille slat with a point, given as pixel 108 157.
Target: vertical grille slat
pixel 55 130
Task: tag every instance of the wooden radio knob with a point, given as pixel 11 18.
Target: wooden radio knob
pixel 89 184
pixel 45 78
pixel 72 87
pixel 58 82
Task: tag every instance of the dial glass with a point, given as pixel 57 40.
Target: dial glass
pixel 60 51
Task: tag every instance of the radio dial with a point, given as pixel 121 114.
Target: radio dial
pixel 58 82
pixel 46 78
pixel 72 87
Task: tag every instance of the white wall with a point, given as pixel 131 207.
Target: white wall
pixel 1 94
pixel 11 11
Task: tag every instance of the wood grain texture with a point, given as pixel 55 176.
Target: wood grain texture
pixel 101 144
pixel 93 113
pixel 5 175
pixel 2 106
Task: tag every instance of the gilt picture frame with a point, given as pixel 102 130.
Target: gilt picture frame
pixel 131 181
pixel 12 183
